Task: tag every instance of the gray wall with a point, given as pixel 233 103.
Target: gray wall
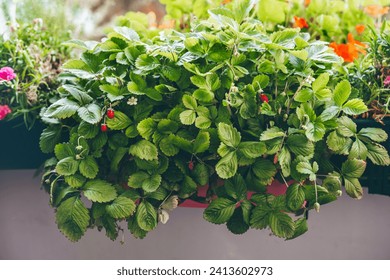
pixel 346 229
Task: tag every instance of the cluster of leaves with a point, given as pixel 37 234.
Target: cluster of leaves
pixel 188 114
pixel 36 55
pixel 328 20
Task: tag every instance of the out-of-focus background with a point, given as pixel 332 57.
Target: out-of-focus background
pixel 86 19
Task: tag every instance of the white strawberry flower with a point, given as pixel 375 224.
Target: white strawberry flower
pixel 132 101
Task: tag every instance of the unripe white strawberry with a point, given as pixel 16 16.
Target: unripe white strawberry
pixel 317 207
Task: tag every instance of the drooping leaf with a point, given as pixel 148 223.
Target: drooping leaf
pixel 146 216
pixel 295 197
pixel 135 229
pixel 353 188
pixel 353 168
pixel 219 211
pixel 300 227
pixel 110 226
pixel 281 224
pixel 260 217
pixel 72 218
pixel 236 223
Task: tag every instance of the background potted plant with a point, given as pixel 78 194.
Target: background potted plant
pixel 146 122
pixel 30 56
pixel 369 78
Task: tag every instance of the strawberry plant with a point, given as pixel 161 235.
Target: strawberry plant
pixel 224 105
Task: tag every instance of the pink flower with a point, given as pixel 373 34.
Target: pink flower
pixel 7 74
pixel 4 111
pixel 386 82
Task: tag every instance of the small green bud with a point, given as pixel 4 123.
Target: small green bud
pixel 78 157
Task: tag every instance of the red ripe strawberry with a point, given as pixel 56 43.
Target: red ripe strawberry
pixel 264 98
pixel 191 165
pixel 110 113
pixel 103 127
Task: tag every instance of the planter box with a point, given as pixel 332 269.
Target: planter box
pixel 19 146
pixel 376 178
